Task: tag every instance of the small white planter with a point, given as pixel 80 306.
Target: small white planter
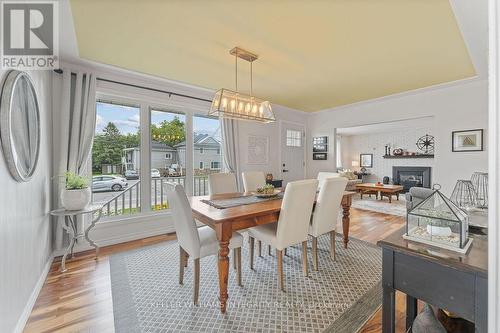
pixel 75 199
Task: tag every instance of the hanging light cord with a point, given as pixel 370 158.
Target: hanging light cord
pixel 236 65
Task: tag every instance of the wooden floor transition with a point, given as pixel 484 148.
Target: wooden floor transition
pixel 80 299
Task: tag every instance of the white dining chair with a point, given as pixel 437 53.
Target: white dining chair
pixel 222 183
pixel 196 243
pixel 322 176
pixel 252 180
pixel 292 227
pixel 326 210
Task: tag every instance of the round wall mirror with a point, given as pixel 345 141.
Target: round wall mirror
pixel 20 125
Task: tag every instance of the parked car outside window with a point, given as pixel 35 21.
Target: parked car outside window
pixel 108 183
pixel 131 174
pixel 155 173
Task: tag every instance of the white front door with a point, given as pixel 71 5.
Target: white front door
pixel 292 151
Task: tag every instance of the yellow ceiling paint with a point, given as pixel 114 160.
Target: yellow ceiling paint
pixel 313 54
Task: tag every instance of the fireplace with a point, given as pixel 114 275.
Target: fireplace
pixel 409 176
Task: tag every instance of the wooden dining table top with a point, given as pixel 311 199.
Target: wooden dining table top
pixel 212 215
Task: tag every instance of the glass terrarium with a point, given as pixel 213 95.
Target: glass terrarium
pixel 439 222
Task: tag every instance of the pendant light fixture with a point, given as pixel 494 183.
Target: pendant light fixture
pixel 236 105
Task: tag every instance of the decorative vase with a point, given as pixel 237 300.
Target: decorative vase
pixel 75 199
pixel 269 177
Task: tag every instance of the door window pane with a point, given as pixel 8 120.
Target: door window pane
pixel 206 151
pixel 293 138
pixel 168 154
pixel 116 159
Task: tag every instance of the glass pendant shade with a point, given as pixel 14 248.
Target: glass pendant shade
pixel 231 104
pixel 480 182
pixel 464 194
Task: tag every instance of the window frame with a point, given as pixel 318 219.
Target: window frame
pixel 147 101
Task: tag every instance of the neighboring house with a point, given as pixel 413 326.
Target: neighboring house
pixel 162 156
pixel 207 154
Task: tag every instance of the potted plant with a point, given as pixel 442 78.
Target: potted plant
pixel 76 194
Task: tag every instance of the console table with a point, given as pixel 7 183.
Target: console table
pixel 449 280
pixel 71 227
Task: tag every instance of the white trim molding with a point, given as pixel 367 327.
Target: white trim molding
pixel 494 169
pixel 23 319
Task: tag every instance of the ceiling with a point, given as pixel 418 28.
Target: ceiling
pixel 314 55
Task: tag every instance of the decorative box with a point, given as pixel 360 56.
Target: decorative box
pixel 439 222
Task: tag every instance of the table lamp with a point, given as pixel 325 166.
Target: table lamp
pixel 355 163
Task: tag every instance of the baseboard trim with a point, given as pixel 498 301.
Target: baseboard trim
pixel 84 246
pixel 23 319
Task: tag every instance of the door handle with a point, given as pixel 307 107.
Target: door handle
pixel 285 170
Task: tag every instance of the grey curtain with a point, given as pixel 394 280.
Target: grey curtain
pixel 73 132
pixel 230 135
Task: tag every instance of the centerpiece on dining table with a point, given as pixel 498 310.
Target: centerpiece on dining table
pixel 266 191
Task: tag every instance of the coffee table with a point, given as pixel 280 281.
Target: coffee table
pixel 384 190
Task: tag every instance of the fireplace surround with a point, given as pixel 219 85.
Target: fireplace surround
pixel 409 176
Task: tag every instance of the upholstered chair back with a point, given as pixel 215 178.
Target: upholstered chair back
pixel 222 183
pixel 185 226
pixel 327 206
pixel 252 180
pixel 325 175
pixel 295 214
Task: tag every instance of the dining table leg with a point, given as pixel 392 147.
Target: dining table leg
pixel 224 233
pixel 346 206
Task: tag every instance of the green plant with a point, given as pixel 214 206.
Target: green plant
pixel 75 182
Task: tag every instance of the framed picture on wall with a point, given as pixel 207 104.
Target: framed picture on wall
pixel 320 144
pixel 469 140
pixel 366 160
pixel 320 156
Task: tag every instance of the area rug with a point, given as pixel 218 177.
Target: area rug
pixel 396 207
pixel 340 297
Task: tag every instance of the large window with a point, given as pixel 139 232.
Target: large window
pixel 168 154
pixel 206 151
pixel 140 145
pixel 116 159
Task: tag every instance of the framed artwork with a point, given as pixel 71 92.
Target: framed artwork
pixel 366 160
pixel 258 150
pixel 320 156
pixel 469 140
pixel 320 144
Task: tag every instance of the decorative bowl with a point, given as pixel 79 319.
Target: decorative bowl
pixel 266 195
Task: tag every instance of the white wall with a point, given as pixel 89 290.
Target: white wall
pixel 25 226
pixel 374 143
pixel 459 106
pixel 272 131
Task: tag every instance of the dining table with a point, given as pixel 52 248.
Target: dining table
pixel 227 220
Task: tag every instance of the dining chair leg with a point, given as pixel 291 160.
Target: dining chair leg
pixel 269 249
pixel 250 262
pixel 259 248
pixel 196 291
pixel 238 266
pixel 186 258
pixel 281 282
pixel 182 256
pixel 234 259
pixel 332 245
pixel 304 259
pixel 315 252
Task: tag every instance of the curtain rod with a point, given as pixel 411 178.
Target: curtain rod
pixel 170 93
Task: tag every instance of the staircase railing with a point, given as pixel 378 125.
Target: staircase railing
pixel 119 205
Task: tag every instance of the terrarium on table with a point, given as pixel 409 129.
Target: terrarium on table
pixel 439 222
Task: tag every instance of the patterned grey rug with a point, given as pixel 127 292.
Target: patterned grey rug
pixel 340 297
pixel 396 207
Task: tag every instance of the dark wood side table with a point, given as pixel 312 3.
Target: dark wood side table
pixel 275 182
pixel 449 280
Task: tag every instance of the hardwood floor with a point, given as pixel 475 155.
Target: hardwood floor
pixel 80 299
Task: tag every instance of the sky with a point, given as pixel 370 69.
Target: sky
pixel 126 118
